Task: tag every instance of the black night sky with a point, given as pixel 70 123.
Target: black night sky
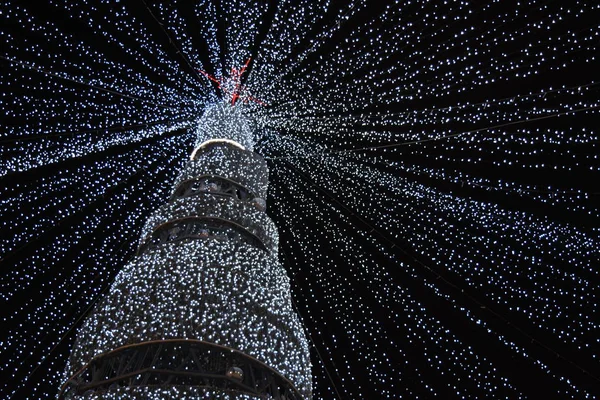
pixel 433 168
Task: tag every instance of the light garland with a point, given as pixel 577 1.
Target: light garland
pixel 461 134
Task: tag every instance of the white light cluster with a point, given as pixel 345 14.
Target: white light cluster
pixel 222 120
pixel 175 392
pixel 211 290
pixel 529 265
pixel 246 168
pixel 82 205
pixel 232 295
pixel 461 133
pixel 244 214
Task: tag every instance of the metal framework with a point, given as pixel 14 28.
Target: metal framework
pixel 200 228
pixel 213 185
pixel 204 309
pixel 179 363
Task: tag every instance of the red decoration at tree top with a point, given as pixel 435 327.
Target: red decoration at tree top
pixel 232 86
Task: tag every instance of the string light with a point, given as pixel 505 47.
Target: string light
pixel 433 170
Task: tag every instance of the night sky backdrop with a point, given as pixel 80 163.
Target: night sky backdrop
pixel 434 171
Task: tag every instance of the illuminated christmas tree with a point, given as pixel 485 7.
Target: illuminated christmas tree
pixel 433 176
pixel 204 309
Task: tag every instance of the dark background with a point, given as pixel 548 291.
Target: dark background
pixel 458 269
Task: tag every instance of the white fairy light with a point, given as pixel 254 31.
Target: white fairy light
pixel 479 157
